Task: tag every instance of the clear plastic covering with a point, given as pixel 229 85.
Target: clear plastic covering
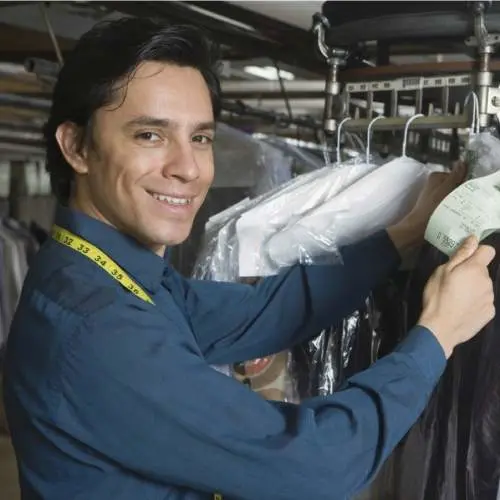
pixel 483 155
pixel 242 161
pixel 257 226
pixel 218 259
pixel 308 219
pixel 320 366
pixel 378 199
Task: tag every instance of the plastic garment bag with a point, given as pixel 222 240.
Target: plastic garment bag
pixel 218 258
pixel 482 155
pixel 258 225
pixel 352 203
pixel 320 366
pixel 453 451
pixel 375 201
pixel 242 161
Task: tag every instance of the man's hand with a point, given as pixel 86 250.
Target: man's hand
pixel 458 299
pixel 410 231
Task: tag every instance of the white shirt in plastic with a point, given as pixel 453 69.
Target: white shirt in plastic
pixel 256 226
pixel 374 202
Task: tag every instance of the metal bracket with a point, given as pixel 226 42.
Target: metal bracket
pixel 335 58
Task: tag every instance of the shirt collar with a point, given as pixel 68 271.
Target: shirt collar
pixel 139 262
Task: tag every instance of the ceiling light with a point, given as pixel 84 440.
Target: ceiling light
pixel 269 72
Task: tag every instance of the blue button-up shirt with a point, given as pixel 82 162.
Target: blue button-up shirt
pixel 109 397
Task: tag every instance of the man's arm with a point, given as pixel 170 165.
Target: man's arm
pixel 151 405
pixel 234 322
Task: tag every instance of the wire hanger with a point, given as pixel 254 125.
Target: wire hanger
pixel 475 112
pixel 368 140
pixel 339 134
pixel 407 128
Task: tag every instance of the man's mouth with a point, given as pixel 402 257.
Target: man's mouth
pixel 171 200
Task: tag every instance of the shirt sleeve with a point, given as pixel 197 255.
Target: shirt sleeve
pixel 135 394
pixel 235 322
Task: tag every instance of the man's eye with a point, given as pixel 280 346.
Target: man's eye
pixel 148 136
pixel 203 139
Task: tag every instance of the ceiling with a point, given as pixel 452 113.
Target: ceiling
pixel 259 34
pixel 299 15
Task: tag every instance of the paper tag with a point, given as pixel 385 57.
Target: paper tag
pixel 471 209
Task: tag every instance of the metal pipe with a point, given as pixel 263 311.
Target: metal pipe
pixel 20 135
pixel 52 35
pixel 399 123
pixel 24 102
pixel 332 90
pixel 271 86
pixel 484 75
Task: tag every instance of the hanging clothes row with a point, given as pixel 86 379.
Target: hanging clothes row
pixel 26 213
pixel 18 245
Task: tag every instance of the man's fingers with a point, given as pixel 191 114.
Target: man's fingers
pixel 484 255
pixel 465 251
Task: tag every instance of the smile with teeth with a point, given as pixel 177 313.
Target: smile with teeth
pixel 171 200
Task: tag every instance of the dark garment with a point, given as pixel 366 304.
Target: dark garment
pixel 109 397
pixel 320 366
pixel 453 451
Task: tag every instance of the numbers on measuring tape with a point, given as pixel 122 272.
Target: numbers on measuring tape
pixel 117 274
pixel 83 248
pixel 100 260
pixel 98 257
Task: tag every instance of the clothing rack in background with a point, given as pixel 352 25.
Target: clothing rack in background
pixel 26 214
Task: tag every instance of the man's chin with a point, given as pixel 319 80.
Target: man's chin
pixel 175 238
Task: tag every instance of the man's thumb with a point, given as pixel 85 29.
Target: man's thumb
pixel 465 251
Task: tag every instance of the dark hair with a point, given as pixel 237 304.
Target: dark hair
pixel 107 55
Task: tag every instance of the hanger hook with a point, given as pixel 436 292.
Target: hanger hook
pixel 369 133
pixel 339 133
pixel 475 111
pixel 407 128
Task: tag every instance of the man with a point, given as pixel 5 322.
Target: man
pixel 108 387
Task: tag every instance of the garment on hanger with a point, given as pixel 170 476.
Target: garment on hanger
pixel 218 257
pixel 372 202
pixel 320 366
pixel 256 226
pixel 362 337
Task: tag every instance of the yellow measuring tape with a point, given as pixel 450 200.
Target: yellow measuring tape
pixel 101 259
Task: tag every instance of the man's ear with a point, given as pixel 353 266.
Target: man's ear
pixel 69 138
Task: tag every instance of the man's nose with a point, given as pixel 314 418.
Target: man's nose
pixel 182 163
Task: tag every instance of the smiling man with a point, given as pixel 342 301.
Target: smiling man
pixel 108 386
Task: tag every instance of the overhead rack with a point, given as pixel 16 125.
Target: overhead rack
pixel 338 95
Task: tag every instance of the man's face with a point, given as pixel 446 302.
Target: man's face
pixel 151 164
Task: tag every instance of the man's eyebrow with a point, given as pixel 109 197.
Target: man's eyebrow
pixel 148 121
pixel 151 121
pixel 210 125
